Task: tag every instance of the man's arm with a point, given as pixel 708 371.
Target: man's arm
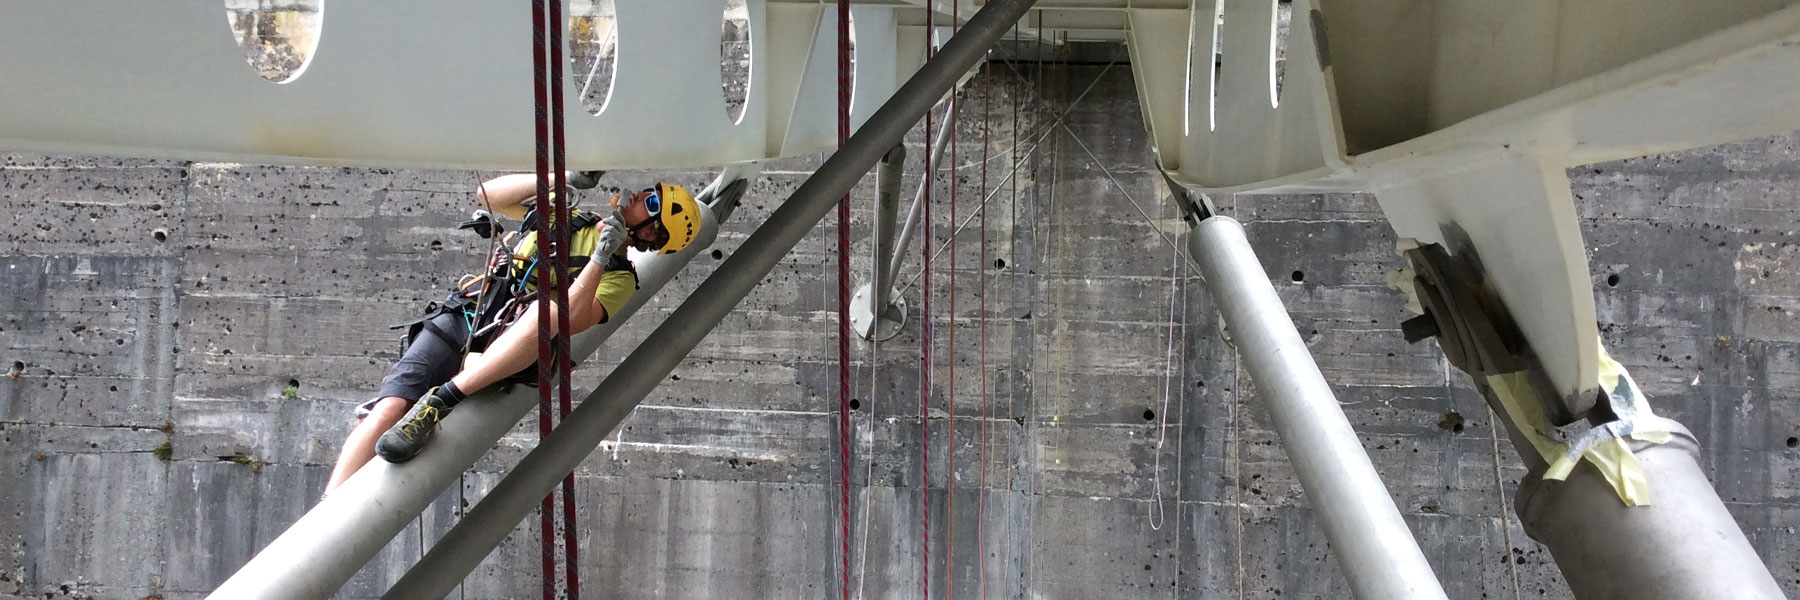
pixel 507 194
pixel 585 309
pixel 594 289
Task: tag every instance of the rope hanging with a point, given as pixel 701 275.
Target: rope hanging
pixel 925 338
pixel 950 399
pixel 553 231
pixel 987 97
pixel 843 276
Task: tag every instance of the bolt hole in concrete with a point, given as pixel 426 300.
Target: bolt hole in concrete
pixel 1298 276
pixel 1149 415
pixel 717 255
pixel 1793 442
pixel 1452 422
pixel 999 263
pixel 593 49
pixel 160 235
pixel 278 36
pixel 855 404
pixel 1612 280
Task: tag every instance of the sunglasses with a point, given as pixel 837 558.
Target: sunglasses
pixel 653 209
pixel 652 202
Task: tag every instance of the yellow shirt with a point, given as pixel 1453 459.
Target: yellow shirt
pixel 615 286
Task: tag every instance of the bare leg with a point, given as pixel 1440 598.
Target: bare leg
pixel 360 447
pixel 515 349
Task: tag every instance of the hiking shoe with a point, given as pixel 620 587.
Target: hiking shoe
pixel 408 437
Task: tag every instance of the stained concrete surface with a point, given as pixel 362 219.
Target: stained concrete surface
pixel 149 445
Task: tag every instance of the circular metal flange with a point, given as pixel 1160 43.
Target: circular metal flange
pixel 862 317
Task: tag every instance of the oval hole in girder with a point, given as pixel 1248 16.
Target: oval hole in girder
pixel 734 58
pixel 593 39
pixel 1278 51
pixel 1187 73
pixel 278 37
pixel 1218 60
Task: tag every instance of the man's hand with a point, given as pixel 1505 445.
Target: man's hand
pixel 612 237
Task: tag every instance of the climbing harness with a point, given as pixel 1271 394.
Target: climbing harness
pixel 491 301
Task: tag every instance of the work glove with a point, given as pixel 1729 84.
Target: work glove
pixel 612 237
pixel 583 180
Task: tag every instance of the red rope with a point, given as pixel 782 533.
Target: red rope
pixel 843 232
pixel 552 283
pixel 540 92
pixel 564 362
pixel 987 97
pixel 925 339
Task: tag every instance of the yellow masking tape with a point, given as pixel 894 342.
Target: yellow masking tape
pixel 1612 457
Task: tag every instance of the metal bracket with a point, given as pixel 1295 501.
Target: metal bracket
pixel 1471 324
pixel 870 326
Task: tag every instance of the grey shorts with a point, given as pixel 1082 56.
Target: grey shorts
pixel 429 360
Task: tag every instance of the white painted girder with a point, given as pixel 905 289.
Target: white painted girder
pixel 1442 108
pixel 1462 115
pixel 440 83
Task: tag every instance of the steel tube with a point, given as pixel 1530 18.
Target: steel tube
pixel 1683 545
pixel 887 203
pixel 918 206
pixel 331 542
pixel 1371 543
pixel 492 519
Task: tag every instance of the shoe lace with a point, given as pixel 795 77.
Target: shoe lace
pixel 426 417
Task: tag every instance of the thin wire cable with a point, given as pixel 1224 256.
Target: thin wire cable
pixel 950 399
pixel 1032 424
pixel 1237 448
pixel 1041 136
pixel 987 99
pixel 1181 405
pixel 1128 198
pixel 540 92
pixel 843 235
pixel 1012 463
pixel 1500 488
pixel 1159 517
pixel 925 339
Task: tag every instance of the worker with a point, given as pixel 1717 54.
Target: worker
pixel 486 331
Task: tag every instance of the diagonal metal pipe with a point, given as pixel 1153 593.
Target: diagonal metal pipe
pixel 491 520
pixel 887 193
pixel 898 257
pixel 1371 542
pixel 331 542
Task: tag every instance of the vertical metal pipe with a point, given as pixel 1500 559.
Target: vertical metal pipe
pixel 327 546
pixel 918 206
pixel 1371 543
pixel 887 201
pixel 491 520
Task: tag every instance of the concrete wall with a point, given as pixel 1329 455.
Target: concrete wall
pixel 149 443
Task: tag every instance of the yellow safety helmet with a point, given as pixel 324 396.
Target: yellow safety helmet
pixel 680 216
